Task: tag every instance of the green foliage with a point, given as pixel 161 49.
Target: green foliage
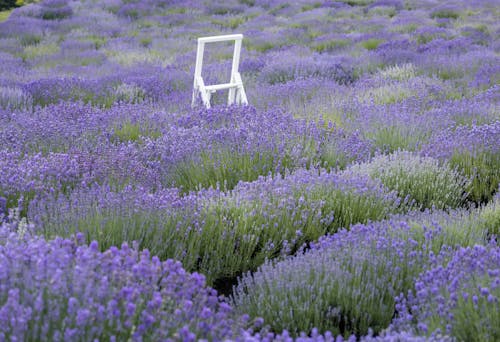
pixel 56 13
pixel 224 169
pixel 18 200
pixel 396 137
pixel 98 41
pixel 477 322
pixel 330 45
pixel 32 51
pixel 231 23
pixel 371 44
pixel 422 180
pixel 7 4
pixel 221 236
pixel 309 292
pixel 347 208
pixel 484 169
pixel 424 39
pixel 357 2
pixel 428 37
pixel 261 46
pixel 457 227
pixel 30 39
pixel 489 217
pixel 4 15
pixel 132 14
pixel 129 131
pixel 447 13
pixel 249 3
pixel 450 73
pixel 25 2
pixel 310 7
pixel 333 159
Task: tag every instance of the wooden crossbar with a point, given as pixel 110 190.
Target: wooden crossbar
pixel 223 86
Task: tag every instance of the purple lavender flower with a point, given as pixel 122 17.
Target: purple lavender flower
pixel 3 207
pixel 347 283
pixel 470 308
pixel 87 294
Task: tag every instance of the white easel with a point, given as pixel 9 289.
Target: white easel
pixel 236 90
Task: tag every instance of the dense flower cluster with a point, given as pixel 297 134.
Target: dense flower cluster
pixel 219 233
pixel 349 281
pixel 460 299
pixel 64 290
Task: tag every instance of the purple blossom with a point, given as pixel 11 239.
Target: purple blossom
pixel 340 277
pixel 473 293
pixel 91 294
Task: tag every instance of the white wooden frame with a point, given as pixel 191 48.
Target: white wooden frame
pixel 237 93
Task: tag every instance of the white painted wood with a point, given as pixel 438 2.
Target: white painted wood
pixel 241 95
pixel 223 38
pixel 237 93
pixel 222 86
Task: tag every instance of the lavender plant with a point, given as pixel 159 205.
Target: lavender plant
pixel 340 149
pixel 322 68
pixel 66 290
pixel 474 150
pixel 400 125
pixel 218 234
pixel 348 283
pixel 459 298
pixel 490 216
pixel 13 98
pixel 233 144
pixel 55 10
pixel 421 180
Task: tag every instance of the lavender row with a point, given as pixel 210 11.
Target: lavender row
pixel 362 273
pixel 220 234
pixel 354 282
pixel 67 145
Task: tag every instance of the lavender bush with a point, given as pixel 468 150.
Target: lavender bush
pixel 490 214
pixel 55 10
pixel 459 299
pixel 422 180
pixel 13 98
pixel 66 290
pixel 475 150
pixel 233 144
pixel 349 281
pixel 219 234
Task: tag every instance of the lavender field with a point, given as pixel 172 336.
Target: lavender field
pixel 356 197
